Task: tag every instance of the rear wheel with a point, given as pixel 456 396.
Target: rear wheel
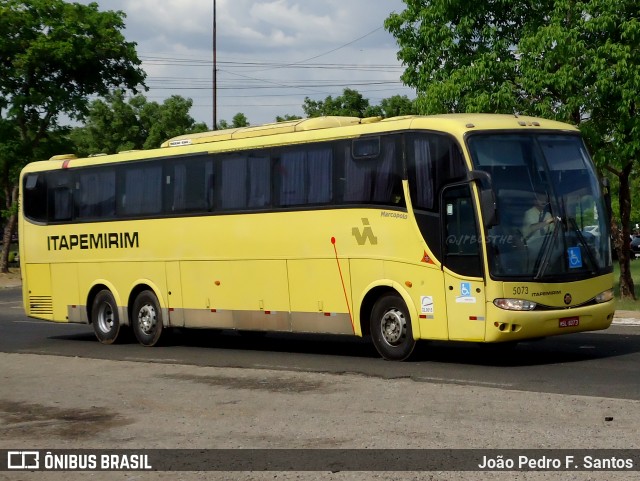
pixel 105 318
pixel 391 328
pixel 146 319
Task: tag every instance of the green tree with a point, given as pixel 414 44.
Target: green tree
pixel 460 56
pixel 612 68
pixel 53 56
pixel 575 61
pixel 350 103
pixel 286 118
pixel 583 66
pixel 239 120
pixel 397 106
pixel 111 125
pixel 170 119
pixel 115 124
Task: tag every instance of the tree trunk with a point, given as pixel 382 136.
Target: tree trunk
pixel 627 289
pixel 9 229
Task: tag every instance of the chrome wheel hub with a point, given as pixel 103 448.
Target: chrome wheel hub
pixel 105 318
pixel 147 319
pixel 394 327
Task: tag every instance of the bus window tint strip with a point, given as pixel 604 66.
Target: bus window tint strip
pixel 317 174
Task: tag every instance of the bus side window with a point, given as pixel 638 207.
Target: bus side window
pixel 259 174
pixel 233 182
pixel 209 184
pixel 62 204
pixel 35 197
pixel 461 236
pixel 187 183
pixel 293 178
pixel 96 194
pixel 60 196
pixel 320 171
pixel 373 177
pixel 142 190
pixel 306 176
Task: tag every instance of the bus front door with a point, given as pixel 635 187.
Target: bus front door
pixel 462 266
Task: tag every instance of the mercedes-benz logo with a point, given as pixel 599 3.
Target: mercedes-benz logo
pixel 567 299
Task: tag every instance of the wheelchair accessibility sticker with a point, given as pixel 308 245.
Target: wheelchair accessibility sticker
pixel 575 257
pixel 465 296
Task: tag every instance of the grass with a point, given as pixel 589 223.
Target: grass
pixel 635 274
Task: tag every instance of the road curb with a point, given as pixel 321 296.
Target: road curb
pixel 623 321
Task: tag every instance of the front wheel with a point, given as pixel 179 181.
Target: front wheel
pixel 146 319
pixel 391 328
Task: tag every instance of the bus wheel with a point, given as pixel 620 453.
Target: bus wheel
pixel 391 328
pixel 146 319
pixel 104 317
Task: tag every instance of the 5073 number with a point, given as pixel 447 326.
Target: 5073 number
pixel 520 290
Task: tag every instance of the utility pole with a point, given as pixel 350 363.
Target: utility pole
pixel 215 73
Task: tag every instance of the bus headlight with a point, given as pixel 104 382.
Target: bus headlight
pixel 514 304
pixel 604 296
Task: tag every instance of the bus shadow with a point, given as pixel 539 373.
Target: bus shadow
pixel 560 349
pixel 275 342
pixel 555 350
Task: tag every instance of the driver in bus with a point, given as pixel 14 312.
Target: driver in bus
pixel 537 219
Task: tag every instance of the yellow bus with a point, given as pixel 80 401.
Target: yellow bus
pixel 458 227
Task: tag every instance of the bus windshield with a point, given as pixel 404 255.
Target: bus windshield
pixel 551 222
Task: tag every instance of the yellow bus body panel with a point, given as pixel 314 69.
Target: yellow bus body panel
pixel 302 271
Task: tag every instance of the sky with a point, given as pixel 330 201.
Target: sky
pixel 270 54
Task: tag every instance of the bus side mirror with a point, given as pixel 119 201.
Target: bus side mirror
pixel 487 196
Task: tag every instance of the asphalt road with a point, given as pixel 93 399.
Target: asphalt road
pixel 602 364
pixel 61 389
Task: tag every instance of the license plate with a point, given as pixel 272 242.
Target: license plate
pixel 569 322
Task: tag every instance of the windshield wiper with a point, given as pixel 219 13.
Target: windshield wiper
pixel 547 247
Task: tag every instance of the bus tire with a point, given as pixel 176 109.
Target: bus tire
pixel 391 331
pixel 146 319
pixel 105 318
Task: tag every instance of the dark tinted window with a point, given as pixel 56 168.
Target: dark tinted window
pixel 190 185
pixel 259 179
pixel 434 160
pixel 374 179
pixel 60 195
pixel 34 192
pixel 306 176
pixel 362 171
pixel 96 193
pixel 142 189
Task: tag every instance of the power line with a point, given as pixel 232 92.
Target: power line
pixel 331 51
pixel 253 87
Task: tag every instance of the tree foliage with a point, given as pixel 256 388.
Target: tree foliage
pixel 352 104
pixel 569 60
pixel 460 55
pixel 114 124
pixel 239 120
pixel 53 56
pixel 287 117
pixel 396 106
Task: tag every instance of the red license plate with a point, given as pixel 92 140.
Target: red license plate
pixel 569 322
